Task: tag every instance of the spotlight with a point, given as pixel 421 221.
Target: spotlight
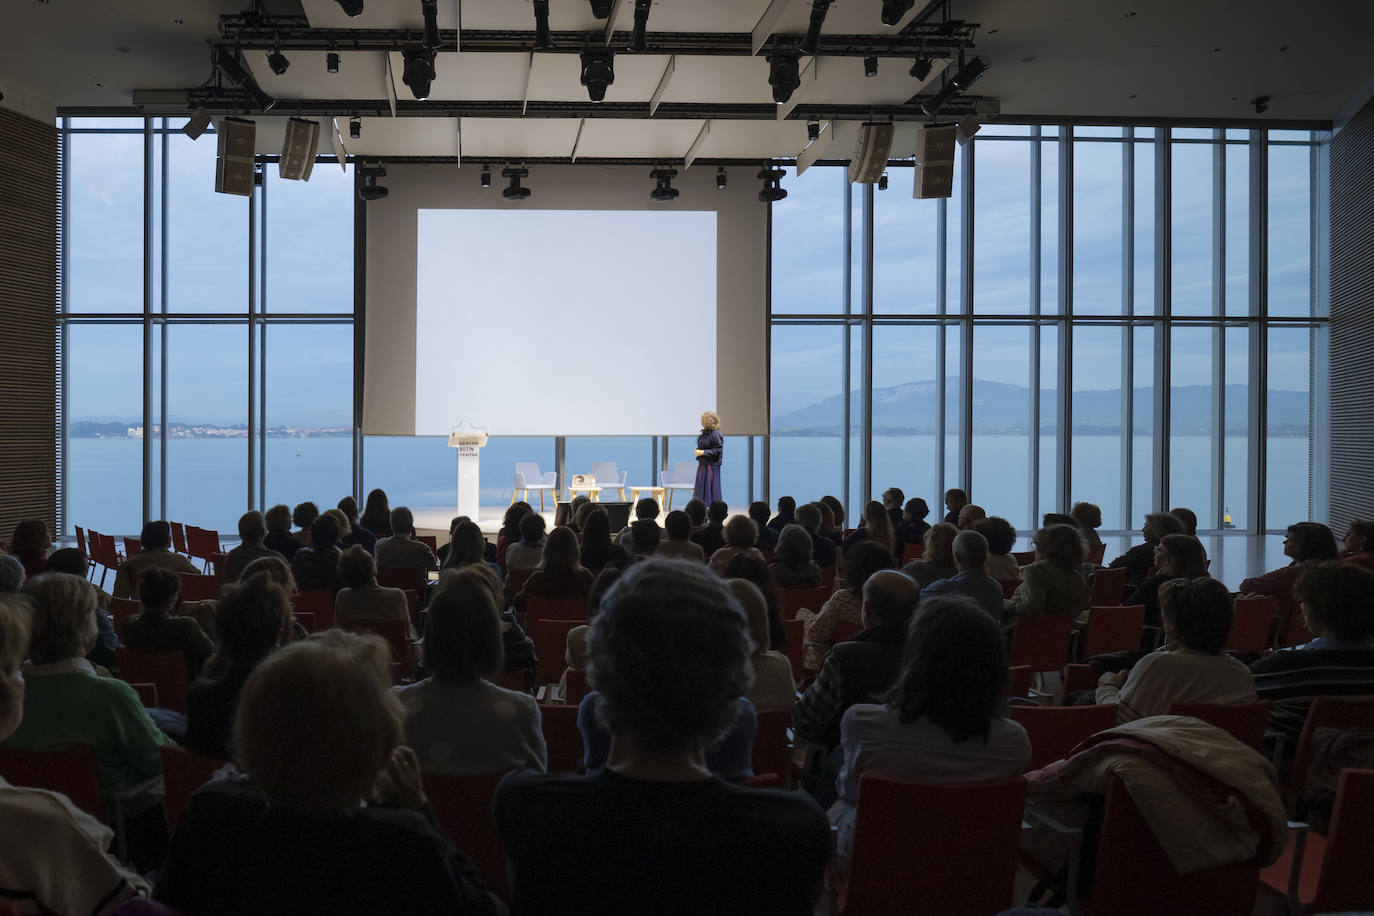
pixel 355 127
pixel 200 120
pixel 370 189
pixel 331 62
pixel 543 41
pixel 598 72
pixel 966 77
pixel 228 63
pixel 277 61
pixel 1261 104
pixel 812 41
pixel 515 191
pixel 882 182
pixel 721 178
pixel 486 176
pixel 773 190
pixel 641 23
pixel 813 131
pixel 601 9
pixel 352 7
pixel 894 10
pixel 419 70
pixel 663 191
pixel 870 66
pixel 430 10
pixel 783 75
pixel 920 68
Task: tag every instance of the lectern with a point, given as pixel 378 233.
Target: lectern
pixel 469 444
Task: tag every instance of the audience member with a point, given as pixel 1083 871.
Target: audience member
pixel 598 552
pixel 559 574
pixel 1305 542
pixel 1058 518
pixel 458 722
pixel 1001 538
pixel 1052 586
pixel 646 510
pixel 318 734
pixel 1189 519
pixel 972 581
pixel 510 529
pixel 875 527
pixel 518 648
pixel 357 532
pixel 279 537
pixel 970 515
pixel 644 537
pixel 401 548
pixel 955 499
pixel 711 537
pixel 696 512
pixel 741 534
pixel 11 574
pixel 768 537
pixel 30 544
pixel 1178 556
pixel 792 566
pixel 913 526
pixel 73 562
pixel 752 569
pixel 893 497
pixel 822 549
pixel 525 554
pixel 153 629
pixel 830 522
pixel 467 547
pixel 303 516
pixel 317 566
pixel 156 539
pixel 773 685
pixel 576 653
pixel 252 534
pixel 361 599
pixel 1359 544
pixel 938 561
pixel 345 529
pixel 678 545
pixel 1088 518
pixel 670 657
pixel 1141 557
pixel 845 604
pixel 376 516
pixel 787 512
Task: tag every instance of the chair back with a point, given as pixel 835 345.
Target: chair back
pixel 1250 624
pixel 199 588
pixel 132 546
pixel 121 609
pixel 202 542
pixel 1326 712
pixel 520 481
pixel 1112 629
pixel 165 669
pixel 178 537
pixel 1346 882
pixel 773 744
pixel 576 686
pixel 182 774
pixel 1134 876
pixel 463 806
pixel 80 541
pixel 561 737
pixel 796 651
pixel 394 632
pixel 1292 629
pixel 411 577
pixel 551 645
pixel 542 607
pixel 791 600
pixel 1109 587
pixel 912 553
pixel 1054 731
pixel 608 475
pixel 1096 554
pixel 317 601
pixel 1018 680
pixel 1245 722
pixel 70 771
pixel 684 472
pixel 1023 557
pixel 528 470
pixel 953 848
pixel 515 583
pixel 1009 586
pixel 828 574
pixel 1041 642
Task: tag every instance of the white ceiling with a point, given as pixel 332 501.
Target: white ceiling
pixel 1050 58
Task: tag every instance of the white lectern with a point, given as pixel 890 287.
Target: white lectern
pixel 468 443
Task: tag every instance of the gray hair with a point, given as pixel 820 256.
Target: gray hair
pixel 809 517
pixel 11 574
pixel 794 545
pixel 970 549
pixel 64 624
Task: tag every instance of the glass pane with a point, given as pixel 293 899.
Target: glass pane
pixel 1096 132
pixel 855 498
pixel 954 247
pixel 808 243
pixel 422 471
pixel 1142 432
pixel 1191 201
pixel 310 241
pixel 105 428
pixel 1049 227
pixel 1192 133
pixel 954 380
pixel 634 455
pixel 309 416
pixel 108 124
pixel 1190 422
pixel 1097 190
pixel 1096 422
pixel 207 420
pixel 1001 421
pixel 997 129
pixel 1289 466
pixel 207 233
pixel 1237 230
pixel 904 412
pixel 807 411
pixel 1236 492
pixel 905 252
pixel 857 194
pixel 1002 246
pixel 1290 231
pixel 1143 244
pixel 734 469
pixel 1049 424
pixel 497 481
pixel 105 223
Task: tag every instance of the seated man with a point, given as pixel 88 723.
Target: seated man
pixel 678 544
pixel 157 552
pixel 645 510
pixel 644 536
pixel 822 549
pixel 712 537
pixel 768 537
pixel 654 830
pixel 401 548
pixel 970 553
pixel 252 533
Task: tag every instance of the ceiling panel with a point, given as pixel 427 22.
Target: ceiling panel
pixel 362 75
pixel 513 138
pixel 637 139
pixel 378 14
pixel 753 139
pixel 558 78
pixel 480 77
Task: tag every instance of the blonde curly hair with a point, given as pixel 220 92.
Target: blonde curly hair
pixel 709 421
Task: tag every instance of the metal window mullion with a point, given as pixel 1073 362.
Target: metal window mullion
pixel 359 333
pixel 966 336
pixel 866 433
pixel 560 465
pixel 767 352
pixel 1064 401
pixel 1033 456
pixel 64 479
pixel 163 394
pixel 1319 424
pixel 1259 337
pixel 260 499
pixel 1127 425
pixel 147 316
pixel 1163 308
pixel 845 367
pixel 941 289
pixel 253 418
pixel 1219 332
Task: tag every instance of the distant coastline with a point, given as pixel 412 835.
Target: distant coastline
pixel 93 429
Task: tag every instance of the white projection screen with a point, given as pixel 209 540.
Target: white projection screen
pixel 544 282
pixel 586 310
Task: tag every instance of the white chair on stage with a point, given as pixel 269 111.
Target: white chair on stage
pixel 527 478
pixel 683 476
pixel 608 477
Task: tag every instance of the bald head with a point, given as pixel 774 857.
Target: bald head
pixel 970 550
pixel 890 598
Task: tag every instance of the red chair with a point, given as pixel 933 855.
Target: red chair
pixel 1009 586
pixel 1292 629
pixel 1250 625
pixel 773 745
pixel 539 607
pixel 1054 731
pixel 561 737
pixel 178 537
pixel 408 577
pixel 845 629
pixel 1018 681
pixel 1109 587
pixel 551 646
pixel 132 546
pixel 1111 629
pixel 1246 722
pixel 70 771
pixel 515 583
pixel 202 543
pixel 413 607
pixel 81 546
pixel 307 620
pixel 1134 876
pixel 317 601
pixel 182 774
pixel 1330 874
pixel 948 849
pixel 1023 557
pixel 791 600
pixel 199 588
pixel 1326 712
pixel 1096 554
pixel 828 576
pixel 577 686
pixel 513 680
pixel 394 632
pixel 1076 677
pixel 165 669
pixel 121 609
pixel 429 541
pixel 796 651
pixel 463 806
pixel 147 694
pixel 1041 642
pixel 912 553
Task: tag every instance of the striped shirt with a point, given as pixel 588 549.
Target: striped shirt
pixel 1292 678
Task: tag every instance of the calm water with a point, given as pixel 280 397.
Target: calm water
pixel 207 479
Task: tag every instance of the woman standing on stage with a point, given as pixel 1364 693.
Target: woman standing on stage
pixel 710 444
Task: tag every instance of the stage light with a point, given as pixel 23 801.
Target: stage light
pixel 773 190
pixel 966 77
pixel 355 127
pixel 721 178
pixel 543 41
pixel 663 191
pixel 641 23
pixel 920 68
pixel 228 63
pixel 1261 104
pixel 370 189
pixel 485 180
pixel 882 182
pixel 813 131
pixel 894 10
pixel 601 9
pixel 430 10
pixel 598 72
pixel 870 66
pixel 783 75
pixel 200 120
pixel 419 70
pixel 812 41
pixel 277 61
pixel 352 7
pixel 515 191
pixel 331 62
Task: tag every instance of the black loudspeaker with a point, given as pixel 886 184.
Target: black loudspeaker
pixel 619 514
pixel 562 514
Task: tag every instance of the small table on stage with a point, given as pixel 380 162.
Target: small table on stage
pixel 655 492
pixel 593 492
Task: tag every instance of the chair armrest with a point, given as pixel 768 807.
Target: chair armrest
pixel 550 477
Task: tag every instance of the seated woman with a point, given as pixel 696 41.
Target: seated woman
pixel 792 566
pixel 376 516
pixel 1001 538
pixel 55 856
pixel 361 599
pixel 250 620
pixel 509 532
pixel 1088 517
pixel 875 526
pixel 30 545
pixel 1178 556
pixel 942 720
pixel 938 561
pixel 752 569
pixel 318 735
pixel 741 534
pixel 317 566
pixel 458 722
pixel 773 685
pixel 1305 542
pixel 1192 666
pixel 598 551
pixel 279 536
pixel 1141 557
pixel 304 516
pixel 559 574
pixel 914 526
pixel 845 604
pixel 468 547
pixel 154 629
pixel 670 657
pixel 1052 586
pixel 831 520
pixel 1359 545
